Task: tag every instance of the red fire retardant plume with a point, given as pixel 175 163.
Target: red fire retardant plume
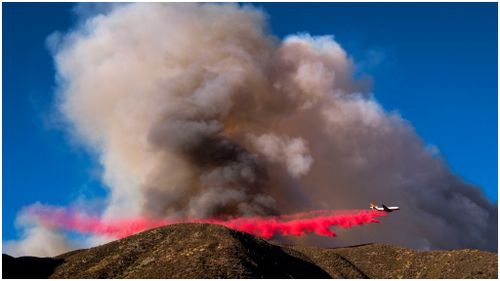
pixel 318 222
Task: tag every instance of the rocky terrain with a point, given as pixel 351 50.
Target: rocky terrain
pixel 211 251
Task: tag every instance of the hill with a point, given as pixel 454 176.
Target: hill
pixel 212 251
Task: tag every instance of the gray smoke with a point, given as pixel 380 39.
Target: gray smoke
pixel 38 239
pixel 196 110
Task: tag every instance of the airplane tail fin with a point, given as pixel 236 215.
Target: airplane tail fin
pixel 372 205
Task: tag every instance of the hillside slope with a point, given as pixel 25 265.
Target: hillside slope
pixel 387 261
pixel 211 251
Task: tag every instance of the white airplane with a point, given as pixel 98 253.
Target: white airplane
pixel 384 208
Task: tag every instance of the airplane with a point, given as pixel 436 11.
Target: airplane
pixel 384 208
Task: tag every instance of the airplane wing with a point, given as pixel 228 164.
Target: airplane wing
pixel 386 209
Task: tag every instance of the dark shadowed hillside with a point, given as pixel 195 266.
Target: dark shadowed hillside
pixel 211 251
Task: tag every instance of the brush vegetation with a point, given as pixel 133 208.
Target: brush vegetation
pixel 212 251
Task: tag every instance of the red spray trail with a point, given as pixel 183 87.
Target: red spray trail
pixel 318 222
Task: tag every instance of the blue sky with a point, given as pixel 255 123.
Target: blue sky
pixel 434 63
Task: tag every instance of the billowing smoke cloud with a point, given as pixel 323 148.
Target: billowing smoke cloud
pixel 38 239
pixel 291 153
pixel 196 110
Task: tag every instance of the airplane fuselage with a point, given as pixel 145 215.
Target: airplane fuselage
pixel 384 208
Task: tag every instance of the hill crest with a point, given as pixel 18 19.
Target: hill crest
pixel 213 251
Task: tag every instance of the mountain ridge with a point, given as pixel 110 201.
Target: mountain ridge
pixel 213 251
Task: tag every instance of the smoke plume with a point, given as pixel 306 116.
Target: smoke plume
pixel 38 239
pixel 197 110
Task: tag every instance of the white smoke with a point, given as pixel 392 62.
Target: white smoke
pixel 292 153
pixel 196 110
pixel 38 239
